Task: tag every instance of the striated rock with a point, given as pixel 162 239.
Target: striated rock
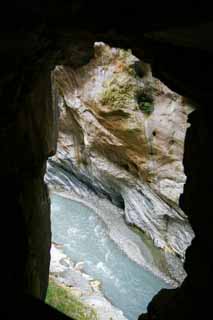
pixel 121 134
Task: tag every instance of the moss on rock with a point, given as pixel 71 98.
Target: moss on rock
pixel 116 95
pixel 124 89
pixel 120 92
pixel 145 99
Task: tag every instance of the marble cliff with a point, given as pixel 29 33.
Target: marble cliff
pixel 121 136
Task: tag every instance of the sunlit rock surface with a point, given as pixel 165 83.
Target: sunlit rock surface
pixel 121 134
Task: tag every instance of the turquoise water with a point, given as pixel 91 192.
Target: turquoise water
pixel 126 284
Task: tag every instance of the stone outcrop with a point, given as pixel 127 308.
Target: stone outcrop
pixel 29 234
pixel 165 304
pixel 121 133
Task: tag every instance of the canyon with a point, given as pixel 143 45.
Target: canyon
pixel 120 145
pixel 177 42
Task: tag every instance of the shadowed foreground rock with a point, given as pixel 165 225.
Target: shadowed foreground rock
pixel 32 308
pixel 36 36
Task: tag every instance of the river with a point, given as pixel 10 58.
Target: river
pixel 85 237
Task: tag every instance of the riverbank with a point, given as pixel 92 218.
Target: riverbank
pixel 86 238
pixel 87 297
pixel 137 246
pixel 65 300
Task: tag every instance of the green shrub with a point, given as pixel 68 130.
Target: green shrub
pixel 147 107
pixel 62 299
pixel 145 100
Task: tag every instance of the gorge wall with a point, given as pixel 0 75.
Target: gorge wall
pixel 121 135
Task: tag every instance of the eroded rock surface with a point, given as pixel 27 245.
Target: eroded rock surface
pixel 121 134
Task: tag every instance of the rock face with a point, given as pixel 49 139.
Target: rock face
pixel 166 304
pixel 26 211
pixel 121 133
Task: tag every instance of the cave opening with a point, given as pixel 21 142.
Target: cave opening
pixel 111 177
pixel 177 41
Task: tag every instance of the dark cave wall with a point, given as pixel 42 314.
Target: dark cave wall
pixel 28 136
pixel 27 139
pixel 192 299
pixel 40 136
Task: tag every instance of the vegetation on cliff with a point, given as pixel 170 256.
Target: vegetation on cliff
pixel 124 88
pixel 61 298
pixel 131 139
pixel 145 100
pixel 118 92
